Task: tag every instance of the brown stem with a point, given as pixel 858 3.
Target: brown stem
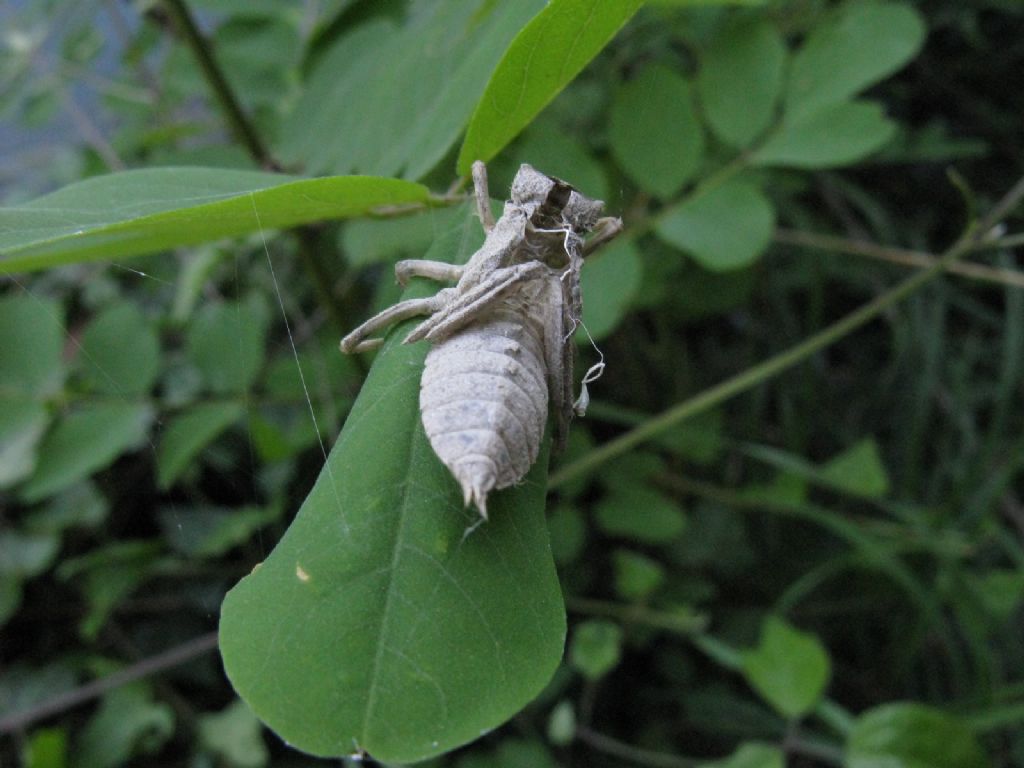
pixel 236 117
pixel 18 721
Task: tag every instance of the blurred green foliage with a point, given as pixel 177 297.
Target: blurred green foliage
pixel 825 571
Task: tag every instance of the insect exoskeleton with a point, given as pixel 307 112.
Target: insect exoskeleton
pixel 502 349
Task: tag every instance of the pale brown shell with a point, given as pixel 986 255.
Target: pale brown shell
pixel 484 399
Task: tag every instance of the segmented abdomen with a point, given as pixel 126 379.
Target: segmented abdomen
pixel 484 401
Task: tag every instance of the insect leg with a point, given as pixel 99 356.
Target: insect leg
pixel 605 229
pixel 433 270
pixel 483 196
pixel 462 309
pixel 356 341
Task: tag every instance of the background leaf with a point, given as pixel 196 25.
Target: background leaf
pixel 739 80
pixel 87 439
pixel 120 352
pixel 641 514
pixel 837 134
pixel 596 648
pixel 609 282
pixel 725 228
pixel 226 342
pixel 858 470
pixel 751 755
pixel 188 433
pixel 549 52
pixel 912 735
pixel 344 634
pixel 654 132
pixel 789 668
pixel 865 42
pixel 393 98
pixel 143 211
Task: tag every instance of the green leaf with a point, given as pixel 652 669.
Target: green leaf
pixel 149 210
pixel 234 734
pixel 371 241
pixel 31 337
pixel 654 132
pixel 608 283
pixel 835 135
pixel 858 470
pixel 79 506
pixel 128 722
pixel 389 99
pixel 188 433
pixel 789 668
pixel 23 555
pixel 640 514
pixel 105 576
pixel 636 575
pixel 344 636
pixel 727 227
pixel 864 43
pixel 22 424
pixel 226 342
pixel 596 648
pixel 912 735
pixel 47 748
pixel 547 145
pixel 562 724
pixel 212 531
pixel 120 352
pixel 1000 592
pixel 751 755
pixel 542 59
pixel 85 441
pixel 740 79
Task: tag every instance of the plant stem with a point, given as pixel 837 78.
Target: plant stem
pixel 676 622
pixel 620 749
pixel 246 132
pixel 900 256
pixel 236 117
pixel 773 366
pixel 18 721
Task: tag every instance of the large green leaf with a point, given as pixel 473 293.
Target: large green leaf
pixel 739 80
pixel 912 735
pixel 654 131
pixel 377 623
pixel 863 43
pixel 550 51
pixel 835 135
pixel 390 99
pixel 135 212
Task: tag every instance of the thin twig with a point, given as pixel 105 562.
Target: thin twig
pixel 236 117
pixel 773 366
pixel 675 622
pixel 150 666
pixel 91 133
pixel 620 749
pixel 901 256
